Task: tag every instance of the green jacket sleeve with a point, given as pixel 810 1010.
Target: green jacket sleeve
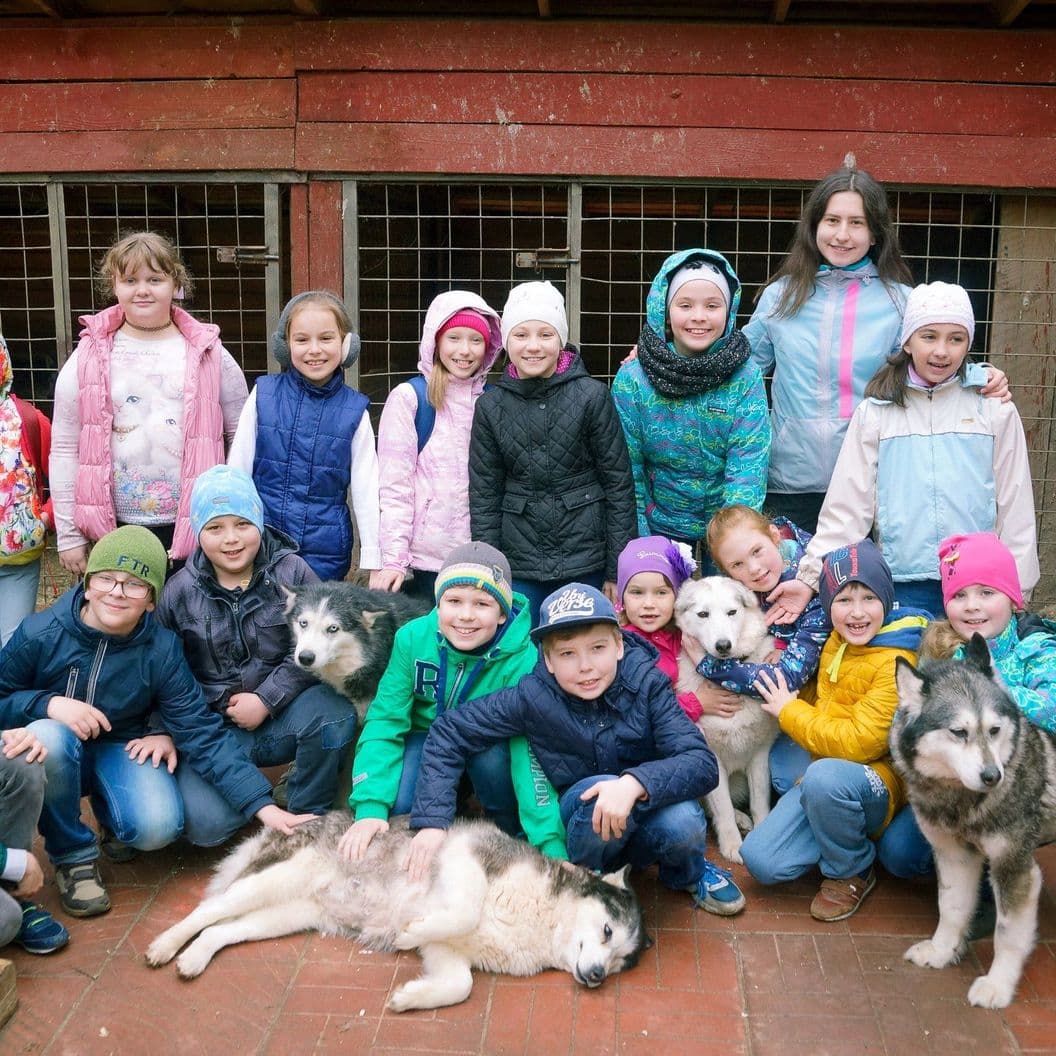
pixel 537 801
pixel 378 762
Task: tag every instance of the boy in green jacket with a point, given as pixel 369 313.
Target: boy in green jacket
pixel 475 641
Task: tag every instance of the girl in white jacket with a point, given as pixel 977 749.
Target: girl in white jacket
pixel 423 442
pixel 926 456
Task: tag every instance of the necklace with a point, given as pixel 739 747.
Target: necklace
pixel 150 329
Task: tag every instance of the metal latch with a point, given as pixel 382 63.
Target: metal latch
pixel 239 255
pixel 544 258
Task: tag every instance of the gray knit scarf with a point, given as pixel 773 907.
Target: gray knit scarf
pixel 674 375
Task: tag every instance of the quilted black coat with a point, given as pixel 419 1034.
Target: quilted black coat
pixel 636 727
pixel 549 478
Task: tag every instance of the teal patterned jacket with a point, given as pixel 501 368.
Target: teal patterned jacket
pixel 694 455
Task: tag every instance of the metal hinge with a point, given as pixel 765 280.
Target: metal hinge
pixel 239 255
pixel 544 258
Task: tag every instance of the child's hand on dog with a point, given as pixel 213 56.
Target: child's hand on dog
pixel 274 817
pixel 714 700
pixel 423 850
pixel 354 843
pixel 614 801
pixel 774 691
pixel 787 601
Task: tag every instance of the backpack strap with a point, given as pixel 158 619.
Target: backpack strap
pixel 425 414
pixel 31 443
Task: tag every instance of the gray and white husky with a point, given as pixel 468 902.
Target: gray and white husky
pixel 491 902
pixel 343 633
pixel 982 782
pixel 722 617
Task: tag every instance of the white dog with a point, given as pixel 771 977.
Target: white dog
pixel 490 902
pixel 722 617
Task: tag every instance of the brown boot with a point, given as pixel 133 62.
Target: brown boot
pixel 839 899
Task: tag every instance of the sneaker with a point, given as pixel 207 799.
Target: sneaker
pixel 81 889
pixel 114 849
pixel 839 899
pixel 40 931
pixel 715 892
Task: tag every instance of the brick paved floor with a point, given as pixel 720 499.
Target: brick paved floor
pixel 771 981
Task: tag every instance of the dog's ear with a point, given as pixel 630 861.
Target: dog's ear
pixel 746 597
pixel 977 653
pixel 911 687
pixel 291 599
pixel 618 878
pixel 368 618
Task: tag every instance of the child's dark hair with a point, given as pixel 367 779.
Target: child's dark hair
pixel 890 381
pixel 803 260
pixel 130 252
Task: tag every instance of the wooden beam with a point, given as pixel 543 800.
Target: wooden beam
pixel 544 8
pixel 780 10
pixel 305 7
pixel 1007 11
pixel 46 8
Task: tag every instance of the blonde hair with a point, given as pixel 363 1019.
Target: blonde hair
pixel 328 302
pixel 141 248
pixel 730 519
pixel 436 385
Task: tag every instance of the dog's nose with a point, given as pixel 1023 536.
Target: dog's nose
pixel 990 776
pixel 306 659
pixel 595 976
pixel 723 646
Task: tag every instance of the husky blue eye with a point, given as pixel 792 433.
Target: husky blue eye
pixel 608 933
pixel 995 730
pixel 333 629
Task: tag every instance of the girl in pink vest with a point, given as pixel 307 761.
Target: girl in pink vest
pixel 144 404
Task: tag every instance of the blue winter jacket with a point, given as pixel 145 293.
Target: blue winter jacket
pixel 822 358
pixel 636 728
pixel 693 455
pixel 303 464
pixel 54 653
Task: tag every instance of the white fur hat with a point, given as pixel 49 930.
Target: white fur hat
pixel 535 300
pixel 937 302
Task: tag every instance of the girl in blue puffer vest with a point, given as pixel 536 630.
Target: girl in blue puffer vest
pixel 306 440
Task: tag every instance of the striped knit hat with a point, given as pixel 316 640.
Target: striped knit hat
pixel 480 566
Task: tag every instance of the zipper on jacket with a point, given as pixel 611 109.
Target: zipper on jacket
pixel 71 682
pixel 93 674
pixel 453 695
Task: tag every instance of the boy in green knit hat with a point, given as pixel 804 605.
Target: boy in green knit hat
pixel 87 675
pixel 475 641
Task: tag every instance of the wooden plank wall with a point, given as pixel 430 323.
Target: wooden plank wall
pixel 501 97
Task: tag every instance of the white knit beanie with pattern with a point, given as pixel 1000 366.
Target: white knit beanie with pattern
pixel 540 301
pixel 937 302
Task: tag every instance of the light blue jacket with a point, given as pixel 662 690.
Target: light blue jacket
pixel 822 358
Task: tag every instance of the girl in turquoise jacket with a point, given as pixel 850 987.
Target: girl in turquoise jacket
pixel 475 641
pixel 692 403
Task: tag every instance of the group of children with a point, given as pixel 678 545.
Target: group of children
pixel 537 512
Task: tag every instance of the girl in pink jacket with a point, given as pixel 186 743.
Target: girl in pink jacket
pixel 143 406
pixel 423 442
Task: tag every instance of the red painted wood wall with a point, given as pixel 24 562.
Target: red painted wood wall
pixel 497 98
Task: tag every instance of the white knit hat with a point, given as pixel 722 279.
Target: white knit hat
pixel 937 302
pixel 535 300
pixel 699 269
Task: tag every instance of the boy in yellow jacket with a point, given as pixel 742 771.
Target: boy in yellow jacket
pixel 847 790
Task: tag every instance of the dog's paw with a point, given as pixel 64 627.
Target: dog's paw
pixel 730 848
pixel 161 951
pixel 927 955
pixel 988 992
pixel 744 822
pixel 410 937
pixel 409 996
pixel 191 963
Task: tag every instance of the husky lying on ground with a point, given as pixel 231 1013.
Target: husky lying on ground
pixel 982 782
pixel 343 634
pixel 492 902
pixel 722 617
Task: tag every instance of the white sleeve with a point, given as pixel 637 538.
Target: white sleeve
pixel 65 454
pixel 363 494
pixel 849 509
pixel 1014 493
pixel 244 446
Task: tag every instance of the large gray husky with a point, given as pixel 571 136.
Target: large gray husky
pixel 982 782
pixel 491 902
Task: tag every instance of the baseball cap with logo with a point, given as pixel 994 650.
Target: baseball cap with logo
pixel 573 606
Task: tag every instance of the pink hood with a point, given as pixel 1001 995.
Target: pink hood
pixel 441 309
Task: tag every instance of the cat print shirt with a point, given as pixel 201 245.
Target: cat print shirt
pixel 146 387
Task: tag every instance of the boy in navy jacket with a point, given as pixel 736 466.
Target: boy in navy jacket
pixel 89 671
pixel 604 724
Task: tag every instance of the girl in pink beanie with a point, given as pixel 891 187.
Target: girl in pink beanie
pixel 982 595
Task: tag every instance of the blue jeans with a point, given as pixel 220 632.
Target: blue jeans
pixel 902 849
pixel 18 595
pixel 313 730
pixel 139 804
pixel 923 594
pixel 21 796
pixel 489 771
pixel 823 821
pixel 788 761
pixel 673 836
pixel 538 590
